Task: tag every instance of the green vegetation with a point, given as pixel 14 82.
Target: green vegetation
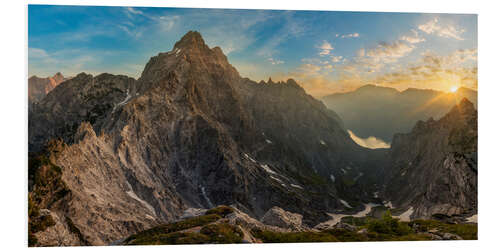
pixel 222 233
pixel 466 231
pixel 283 237
pixel 156 234
pixel 196 230
pixel 46 187
pixel 220 210
pixel 384 229
pixel 388 225
pixel 355 221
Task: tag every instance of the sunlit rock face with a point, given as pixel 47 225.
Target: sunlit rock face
pixel 38 87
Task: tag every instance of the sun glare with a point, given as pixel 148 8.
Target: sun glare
pixel 453 89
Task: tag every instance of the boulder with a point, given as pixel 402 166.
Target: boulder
pixel 276 216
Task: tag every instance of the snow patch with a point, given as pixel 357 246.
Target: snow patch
pixel 269 141
pixel 473 219
pixel 405 216
pixel 343 170
pixel 359 176
pixel 336 218
pixel 388 204
pixel 134 196
pixel 125 101
pixel 249 157
pixel 296 186
pixel 278 180
pixel 266 167
pixel 206 197
pixel 322 142
pixel 345 203
pixel 332 178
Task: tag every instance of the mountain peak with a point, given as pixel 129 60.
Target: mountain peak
pixel 190 40
pixel 465 105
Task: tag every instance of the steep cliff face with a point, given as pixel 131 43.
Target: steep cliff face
pixel 190 132
pixel 433 169
pixel 38 87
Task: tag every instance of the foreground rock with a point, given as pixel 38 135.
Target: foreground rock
pixel 276 216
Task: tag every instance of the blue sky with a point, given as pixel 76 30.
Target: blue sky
pixel 325 51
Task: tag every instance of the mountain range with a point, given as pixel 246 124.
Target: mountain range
pixel 383 111
pixel 111 156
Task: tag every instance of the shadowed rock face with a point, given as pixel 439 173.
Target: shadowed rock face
pixel 190 132
pixel 434 167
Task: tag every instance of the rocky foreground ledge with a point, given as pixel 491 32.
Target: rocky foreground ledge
pixel 225 224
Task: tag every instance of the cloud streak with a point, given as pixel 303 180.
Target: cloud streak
pixel 325 48
pixel 447 31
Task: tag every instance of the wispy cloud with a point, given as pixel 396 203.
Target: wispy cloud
pixel 448 31
pixel 352 35
pixel 336 59
pixel 131 12
pixel 325 48
pixel 274 61
pixel 414 38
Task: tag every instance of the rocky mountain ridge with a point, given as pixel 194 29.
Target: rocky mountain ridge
pixel 190 132
pixel 125 155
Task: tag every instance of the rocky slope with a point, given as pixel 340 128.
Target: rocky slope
pixel 38 87
pixel 367 109
pixel 189 133
pixel 433 169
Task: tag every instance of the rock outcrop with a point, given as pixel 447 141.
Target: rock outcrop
pixel 276 216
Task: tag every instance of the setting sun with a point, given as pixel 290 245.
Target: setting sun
pixel 453 89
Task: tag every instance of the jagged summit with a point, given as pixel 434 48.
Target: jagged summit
pixel 190 40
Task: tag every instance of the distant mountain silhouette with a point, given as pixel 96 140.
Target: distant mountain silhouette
pixel 382 111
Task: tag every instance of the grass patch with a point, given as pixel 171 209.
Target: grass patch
pixel 220 210
pixel 154 234
pixel 466 231
pixel 284 237
pixel 222 233
pixel 355 221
